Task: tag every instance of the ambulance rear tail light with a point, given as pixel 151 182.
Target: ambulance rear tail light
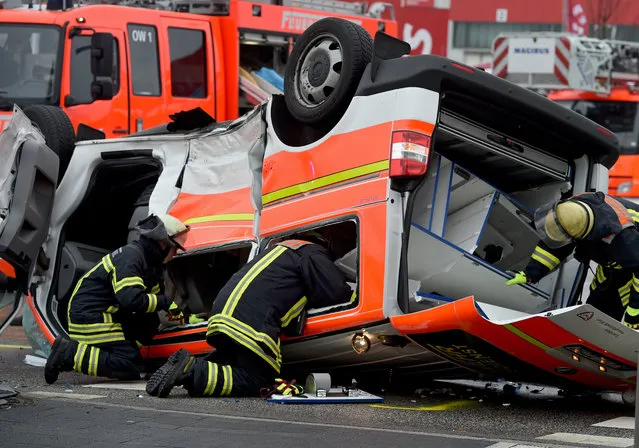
pixel 409 154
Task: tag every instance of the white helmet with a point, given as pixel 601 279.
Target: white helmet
pixel 163 228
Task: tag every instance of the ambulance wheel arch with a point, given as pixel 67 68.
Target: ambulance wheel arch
pixel 57 129
pixel 324 70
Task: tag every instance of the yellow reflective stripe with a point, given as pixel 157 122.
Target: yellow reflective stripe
pixel 526 337
pixel 294 311
pixel 113 309
pixel 221 217
pixel 77 286
pixel 119 285
pixel 228 380
pixel 353 297
pixel 546 258
pixel 106 317
pixel 153 303
pixel 241 286
pixel 95 328
pixel 240 338
pixel 543 261
pixel 79 357
pixel 98 338
pixel 633 312
pixel 92 328
pixel 93 362
pixel 123 283
pixel 634 214
pixel 635 283
pixel 625 289
pixel 155 289
pixel 601 277
pixel 212 379
pixel 218 320
pixel 325 181
pixel 625 300
pixel 188 364
pixel 543 252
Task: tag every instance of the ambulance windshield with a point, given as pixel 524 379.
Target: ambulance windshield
pixel 30 61
pixel 620 117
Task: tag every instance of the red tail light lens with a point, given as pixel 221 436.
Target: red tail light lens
pixel 409 154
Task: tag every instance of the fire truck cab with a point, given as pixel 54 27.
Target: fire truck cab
pixel 596 78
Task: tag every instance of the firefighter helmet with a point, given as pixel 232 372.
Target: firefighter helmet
pixel 564 222
pixel 164 228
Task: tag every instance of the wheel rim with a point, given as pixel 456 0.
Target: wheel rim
pixel 318 70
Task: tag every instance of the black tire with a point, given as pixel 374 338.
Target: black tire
pixel 317 90
pixel 57 129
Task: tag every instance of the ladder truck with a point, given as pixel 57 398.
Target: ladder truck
pixel 598 78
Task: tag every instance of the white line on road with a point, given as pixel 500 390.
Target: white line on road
pixel 619 422
pixel 510 445
pixel 516 443
pixel 131 385
pixel 44 394
pixel 618 442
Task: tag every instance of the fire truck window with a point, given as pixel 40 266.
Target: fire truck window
pixel 188 63
pixel 81 76
pixel 145 62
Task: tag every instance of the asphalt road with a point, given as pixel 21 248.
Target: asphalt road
pixel 80 410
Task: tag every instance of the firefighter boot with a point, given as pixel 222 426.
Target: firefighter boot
pixel 60 359
pixel 173 373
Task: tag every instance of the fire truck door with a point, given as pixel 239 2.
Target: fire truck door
pixel 190 80
pixel 110 116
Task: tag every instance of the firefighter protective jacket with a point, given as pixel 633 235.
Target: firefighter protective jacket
pixel 271 291
pixel 128 280
pixel 613 243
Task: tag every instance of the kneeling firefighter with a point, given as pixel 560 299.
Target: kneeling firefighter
pixel 114 305
pixel 268 295
pixel 600 228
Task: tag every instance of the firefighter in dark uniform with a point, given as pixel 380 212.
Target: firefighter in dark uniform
pixel 256 304
pixel 114 305
pixel 600 228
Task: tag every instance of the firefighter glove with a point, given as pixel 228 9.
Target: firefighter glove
pixel 519 278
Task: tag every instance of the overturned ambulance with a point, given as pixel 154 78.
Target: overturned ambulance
pixel 423 172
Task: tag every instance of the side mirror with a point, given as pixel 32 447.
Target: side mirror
pixel 102 55
pixel 102 90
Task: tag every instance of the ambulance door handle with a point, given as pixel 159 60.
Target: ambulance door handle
pixel 120 131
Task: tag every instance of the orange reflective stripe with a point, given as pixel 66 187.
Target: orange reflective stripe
pixel 622 214
pixel 294 244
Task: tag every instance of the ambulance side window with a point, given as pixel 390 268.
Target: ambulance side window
pixel 188 63
pixel 145 61
pixel 81 77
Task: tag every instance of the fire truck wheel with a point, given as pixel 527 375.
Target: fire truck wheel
pixel 324 70
pixel 57 129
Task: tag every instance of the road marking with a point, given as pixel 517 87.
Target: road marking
pixel 510 445
pixel 45 394
pixel 22 347
pixel 453 405
pixel 587 439
pixel 129 385
pixel 71 398
pixel 619 422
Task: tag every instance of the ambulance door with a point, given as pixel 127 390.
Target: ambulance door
pixel 190 81
pixel 147 76
pixel 110 116
pixel 28 180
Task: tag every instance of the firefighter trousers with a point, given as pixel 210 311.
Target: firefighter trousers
pixel 118 360
pixel 231 370
pixel 610 291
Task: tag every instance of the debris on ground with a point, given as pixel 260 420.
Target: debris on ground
pixel 7 392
